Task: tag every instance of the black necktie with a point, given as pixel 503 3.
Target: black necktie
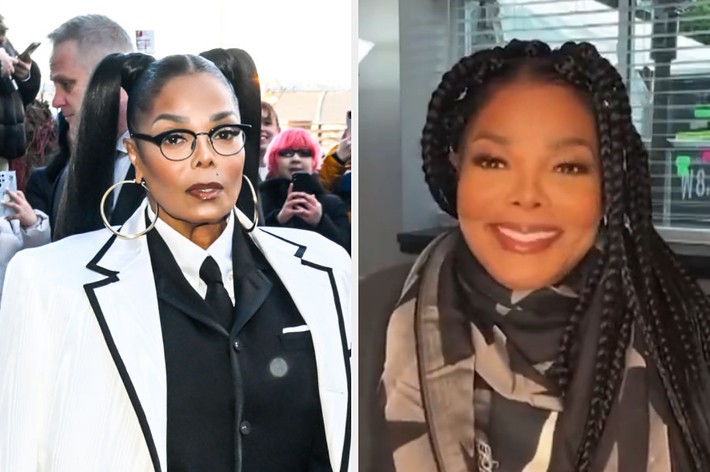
pixel 217 297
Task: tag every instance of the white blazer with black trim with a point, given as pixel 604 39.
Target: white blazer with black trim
pixel 82 368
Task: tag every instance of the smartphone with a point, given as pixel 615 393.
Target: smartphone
pixel 303 182
pixel 25 56
pixel 348 120
pixel 8 181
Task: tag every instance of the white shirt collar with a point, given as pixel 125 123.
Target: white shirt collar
pixel 189 256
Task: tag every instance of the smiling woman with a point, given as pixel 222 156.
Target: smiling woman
pixel 529 195
pixel 552 329
pixel 189 338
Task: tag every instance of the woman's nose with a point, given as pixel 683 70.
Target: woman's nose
pixel 204 152
pixel 527 191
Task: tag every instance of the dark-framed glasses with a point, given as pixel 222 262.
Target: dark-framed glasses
pixel 179 144
pixel 289 152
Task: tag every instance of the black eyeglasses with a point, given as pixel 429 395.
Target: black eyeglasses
pixel 179 144
pixel 288 152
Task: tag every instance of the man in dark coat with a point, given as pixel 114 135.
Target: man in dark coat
pixel 78 45
pixel 19 84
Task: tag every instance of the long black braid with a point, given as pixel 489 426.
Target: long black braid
pixel 643 287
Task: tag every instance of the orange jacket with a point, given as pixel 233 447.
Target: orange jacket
pixel 331 170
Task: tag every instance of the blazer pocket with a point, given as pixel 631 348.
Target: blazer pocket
pixel 296 339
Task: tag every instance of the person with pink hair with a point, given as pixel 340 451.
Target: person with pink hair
pixel 296 152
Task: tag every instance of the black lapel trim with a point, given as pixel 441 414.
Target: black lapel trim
pixel 346 357
pixel 343 340
pixel 301 249
pixel 111 277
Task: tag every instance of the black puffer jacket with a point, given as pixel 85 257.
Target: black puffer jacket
pixel 14 97
pixel 334 224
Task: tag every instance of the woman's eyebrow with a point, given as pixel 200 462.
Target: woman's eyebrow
pixel 496 138
pixel 571 141
pixel 168 116
pixel 222 115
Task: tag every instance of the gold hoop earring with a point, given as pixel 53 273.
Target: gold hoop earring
pixel 256 206
pixel 108 225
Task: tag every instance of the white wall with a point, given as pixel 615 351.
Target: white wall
pixel 395 83
pixel 424 38
pixel 379 149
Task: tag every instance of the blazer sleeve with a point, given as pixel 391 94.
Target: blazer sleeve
pixel 23 361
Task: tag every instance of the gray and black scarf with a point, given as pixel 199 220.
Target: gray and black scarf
pixel 466 386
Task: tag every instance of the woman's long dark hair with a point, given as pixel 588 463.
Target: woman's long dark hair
pixel 641 281
pixel 239 69
pixel 90 171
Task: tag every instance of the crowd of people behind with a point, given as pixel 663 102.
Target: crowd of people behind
pixel 320 204
pixel 212 337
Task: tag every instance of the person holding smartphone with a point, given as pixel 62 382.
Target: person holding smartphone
pixel 25 228
pixel 19 83
pixel 335 173
pixel 293 196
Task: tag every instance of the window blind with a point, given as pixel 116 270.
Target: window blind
pixel 661 49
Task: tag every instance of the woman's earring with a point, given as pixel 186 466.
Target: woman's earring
pixel 105 220
pixel 253 224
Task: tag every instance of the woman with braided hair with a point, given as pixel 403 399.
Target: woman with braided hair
pixel 552 330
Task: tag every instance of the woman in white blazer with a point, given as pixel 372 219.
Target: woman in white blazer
pixel 190 339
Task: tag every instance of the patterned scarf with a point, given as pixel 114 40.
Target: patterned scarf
pixel 465 383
